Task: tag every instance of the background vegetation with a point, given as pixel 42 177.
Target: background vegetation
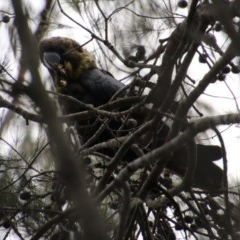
pixel 51 187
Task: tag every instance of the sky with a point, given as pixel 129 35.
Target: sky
pixel 220 96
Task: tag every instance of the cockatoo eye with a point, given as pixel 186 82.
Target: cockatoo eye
pixel 51 59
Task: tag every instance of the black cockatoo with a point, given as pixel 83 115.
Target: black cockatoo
pixel 75 73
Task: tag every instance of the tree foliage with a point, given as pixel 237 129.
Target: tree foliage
pixel 53 186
